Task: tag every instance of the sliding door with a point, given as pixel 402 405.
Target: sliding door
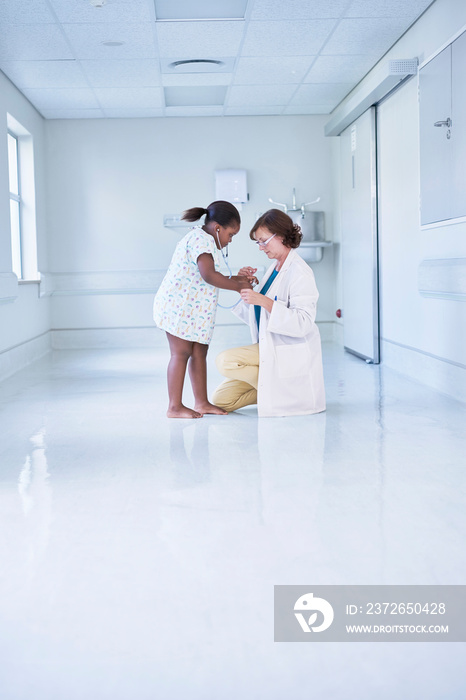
pixel 359 237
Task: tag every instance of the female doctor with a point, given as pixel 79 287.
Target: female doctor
pixel 282 370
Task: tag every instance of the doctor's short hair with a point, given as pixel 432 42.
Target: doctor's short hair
pixel 223 213
pixel 276 221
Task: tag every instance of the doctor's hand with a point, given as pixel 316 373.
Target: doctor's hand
pixel 252 297
pixel 249 273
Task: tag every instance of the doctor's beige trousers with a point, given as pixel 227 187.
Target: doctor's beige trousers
pixel 241 366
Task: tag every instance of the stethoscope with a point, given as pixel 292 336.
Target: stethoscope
pixel 230 274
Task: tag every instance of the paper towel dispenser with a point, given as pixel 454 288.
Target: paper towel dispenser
pixel 231 186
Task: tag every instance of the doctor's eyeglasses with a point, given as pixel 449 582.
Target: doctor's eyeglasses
pixel 262 244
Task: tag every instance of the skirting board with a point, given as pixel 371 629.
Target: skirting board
pixel 446 377
pixel 149 337
pixel 16 358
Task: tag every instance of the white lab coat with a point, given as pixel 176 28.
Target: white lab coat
pixel 291 381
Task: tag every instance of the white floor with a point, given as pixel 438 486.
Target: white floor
pixel 139 553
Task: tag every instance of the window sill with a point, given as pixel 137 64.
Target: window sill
pixel 20 282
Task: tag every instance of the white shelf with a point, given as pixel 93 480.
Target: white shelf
pixel 170 221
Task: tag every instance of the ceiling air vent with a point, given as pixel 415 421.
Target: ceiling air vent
pixel 196 63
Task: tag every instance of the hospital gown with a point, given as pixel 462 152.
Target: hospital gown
pixel 185 305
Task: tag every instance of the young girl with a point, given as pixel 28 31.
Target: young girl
pixel 186 302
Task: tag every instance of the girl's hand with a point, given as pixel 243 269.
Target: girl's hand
pixel 249 273
pixel 242 282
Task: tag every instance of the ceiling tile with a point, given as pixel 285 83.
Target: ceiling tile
pixel 86 40
pixel 321 93
pixel 72 113
pixel 263 95
pixel 195 96
pixel 287 38
pixel 283 56
pixel 339 69
pixel 199 39
pixel 196 79
pixel 201 9
pixel 117 11
pixel 272 70
pixel 33 42
pixel 45 74
pixel 387 8
pixel 61 98
pixel 364 36
pixel 25 12
pixel 297 9
pixel 194 111
pixel 122 73
pixel 133 98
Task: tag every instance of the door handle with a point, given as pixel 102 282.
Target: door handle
pixel 447 123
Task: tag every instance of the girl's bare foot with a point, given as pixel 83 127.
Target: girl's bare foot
pixel 183 412
pixel 210 408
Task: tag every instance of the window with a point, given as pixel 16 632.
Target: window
pixel 22 201
pixel 15 205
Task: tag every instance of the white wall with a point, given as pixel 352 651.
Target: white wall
pixel 24 316
pixel 110 182
pixel 421 336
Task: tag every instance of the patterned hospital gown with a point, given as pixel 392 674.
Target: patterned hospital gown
pixel 185 305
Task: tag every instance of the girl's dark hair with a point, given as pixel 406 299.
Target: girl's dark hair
pixel 223 213
pixel 278 222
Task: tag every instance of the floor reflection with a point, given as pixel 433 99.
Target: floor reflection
pixel 148 571
pixel 36 499
pixel 189 452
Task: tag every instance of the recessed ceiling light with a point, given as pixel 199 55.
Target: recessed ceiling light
pixel 201 10
pixel 112 43
pixel 98 3
pixel 199 96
